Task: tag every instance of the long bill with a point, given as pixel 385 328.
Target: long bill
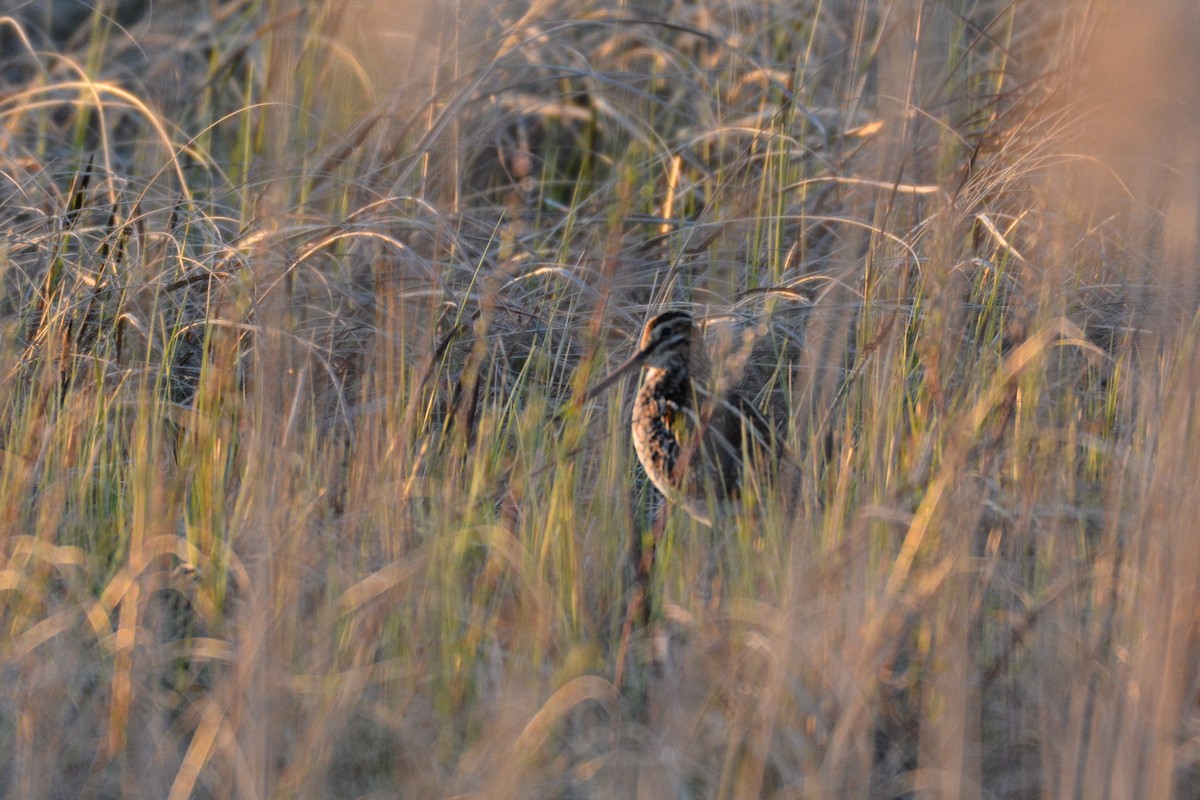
pixel 631 363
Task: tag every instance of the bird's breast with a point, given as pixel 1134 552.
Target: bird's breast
pixel 657 419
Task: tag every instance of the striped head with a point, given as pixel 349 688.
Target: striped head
pixel 669 340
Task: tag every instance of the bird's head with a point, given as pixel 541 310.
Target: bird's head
pixel 670 340
pixel 667 340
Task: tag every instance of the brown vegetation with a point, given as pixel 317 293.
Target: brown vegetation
pixel 298 298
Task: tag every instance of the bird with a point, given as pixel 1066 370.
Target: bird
pixel 700 436
pixel 696 424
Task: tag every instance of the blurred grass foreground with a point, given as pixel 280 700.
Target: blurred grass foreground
pixel 298 301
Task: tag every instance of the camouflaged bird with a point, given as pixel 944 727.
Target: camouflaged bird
pixel 697 430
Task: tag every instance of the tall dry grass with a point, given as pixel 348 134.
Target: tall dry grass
pixel 299 300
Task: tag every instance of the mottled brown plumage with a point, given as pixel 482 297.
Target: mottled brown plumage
pixel 696 432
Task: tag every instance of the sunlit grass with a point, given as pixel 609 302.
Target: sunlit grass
pixel 301 496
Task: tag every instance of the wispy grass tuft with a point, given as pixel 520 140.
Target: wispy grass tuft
pixel 301 498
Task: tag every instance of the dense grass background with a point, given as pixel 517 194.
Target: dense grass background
pixel 298 301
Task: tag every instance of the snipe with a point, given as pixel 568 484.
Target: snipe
pixel 695 432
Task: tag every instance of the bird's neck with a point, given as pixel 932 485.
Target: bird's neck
pixel 671 384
